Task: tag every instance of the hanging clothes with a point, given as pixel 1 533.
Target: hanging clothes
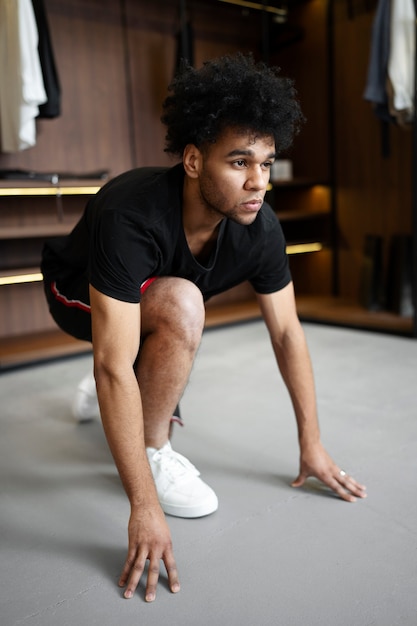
pixel 184 40
pixel 375 90
pixel 390 79
pixel 402 59
pixel 51 108
pixel 21 83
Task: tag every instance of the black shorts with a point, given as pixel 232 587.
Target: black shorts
pixel 69 305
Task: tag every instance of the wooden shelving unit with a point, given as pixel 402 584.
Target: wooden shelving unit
pixel 38 347
pixel 343 312
pixel 303 207
pixel 306 202
pixel 29 213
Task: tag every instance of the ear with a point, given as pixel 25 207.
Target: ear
pixel 192 160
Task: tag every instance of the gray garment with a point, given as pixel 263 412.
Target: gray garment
pixel 375 90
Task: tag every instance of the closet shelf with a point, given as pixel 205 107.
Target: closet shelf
pixel 21 271
pixel 39 347
pixel 290 215
pixel 64 188
pixel 349 314
pixel 298 183
pixel 36 231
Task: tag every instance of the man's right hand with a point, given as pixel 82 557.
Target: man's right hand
pixel 149 539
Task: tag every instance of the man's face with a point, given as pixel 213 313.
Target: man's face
pixel 234 174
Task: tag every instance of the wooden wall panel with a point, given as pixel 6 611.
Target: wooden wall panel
pixel 311 273
pixel 152 31
pixel 306 62
pixel 24 310
pixel 225 29
pixel 150 36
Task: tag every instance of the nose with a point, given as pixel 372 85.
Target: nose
pixel 257 178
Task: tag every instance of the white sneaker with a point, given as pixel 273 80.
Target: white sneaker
pixel 180 490
pixel 85 405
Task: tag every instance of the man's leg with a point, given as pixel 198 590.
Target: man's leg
pixel 172 322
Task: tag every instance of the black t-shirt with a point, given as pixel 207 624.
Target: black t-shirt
pixel 132 230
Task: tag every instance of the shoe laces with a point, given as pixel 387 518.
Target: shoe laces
pixel 174 464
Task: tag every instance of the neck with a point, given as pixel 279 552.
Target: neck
pixel 197 218
pixel 201 226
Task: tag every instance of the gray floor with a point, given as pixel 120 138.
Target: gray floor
pixel 271 555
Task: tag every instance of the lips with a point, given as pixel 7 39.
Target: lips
pixel 252 205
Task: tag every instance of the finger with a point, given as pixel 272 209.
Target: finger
pixel 171 568
pixel 135 571
pixel 299 481
pixel 124 576
pixel 351 485
pixel 357 489
pixel 335 484
pixel 152 581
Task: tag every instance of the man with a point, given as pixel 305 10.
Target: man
pixel 133 276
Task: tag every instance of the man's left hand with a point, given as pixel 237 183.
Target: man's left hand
pixel 317 463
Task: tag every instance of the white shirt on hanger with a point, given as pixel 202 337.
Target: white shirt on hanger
pixel 21 83
pixel 402 55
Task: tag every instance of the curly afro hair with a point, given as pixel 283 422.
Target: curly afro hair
pixel 230 91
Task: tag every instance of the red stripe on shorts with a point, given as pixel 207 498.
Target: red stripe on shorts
pixel 147 283
pixel 67 302
pixel 86 307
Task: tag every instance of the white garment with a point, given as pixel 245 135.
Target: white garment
pixel 21 82
pixel 402 55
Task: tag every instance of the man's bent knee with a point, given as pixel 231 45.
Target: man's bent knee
pixel 175 303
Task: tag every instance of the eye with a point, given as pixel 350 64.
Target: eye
pixel 267 165
pixel 240 163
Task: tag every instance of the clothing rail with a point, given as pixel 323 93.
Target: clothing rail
pixel 258 7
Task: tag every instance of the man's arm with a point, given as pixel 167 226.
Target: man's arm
pixel 116 339
pixel 293 358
